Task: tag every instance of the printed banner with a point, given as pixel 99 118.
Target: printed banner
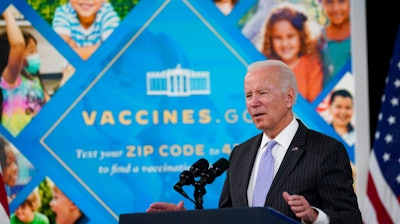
pixel 146 90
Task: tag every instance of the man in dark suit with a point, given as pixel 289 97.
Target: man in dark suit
pixel 312 175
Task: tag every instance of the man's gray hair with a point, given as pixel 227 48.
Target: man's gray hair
pixel 287 77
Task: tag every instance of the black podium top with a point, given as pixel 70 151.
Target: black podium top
pixel 210 216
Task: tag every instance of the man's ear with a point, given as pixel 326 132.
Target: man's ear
pixel 290 96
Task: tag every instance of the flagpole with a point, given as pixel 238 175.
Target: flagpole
pixel 361 103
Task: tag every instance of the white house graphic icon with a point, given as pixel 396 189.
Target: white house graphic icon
pixel 178 82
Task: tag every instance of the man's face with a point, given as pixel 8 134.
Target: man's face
pixel 266 102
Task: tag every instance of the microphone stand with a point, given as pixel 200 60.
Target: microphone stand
pixel 207 177
pixel 199 192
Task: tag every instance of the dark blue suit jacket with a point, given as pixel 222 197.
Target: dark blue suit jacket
pixel 315 166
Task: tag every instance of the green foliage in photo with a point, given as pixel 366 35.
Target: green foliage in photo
pixel 46 8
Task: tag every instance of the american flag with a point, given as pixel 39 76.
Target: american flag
pixel 382 204
pixel 4 212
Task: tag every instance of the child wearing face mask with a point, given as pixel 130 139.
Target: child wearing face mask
pixel 22 92
pixel 33 62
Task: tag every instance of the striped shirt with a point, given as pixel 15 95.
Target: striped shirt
pixel 66 22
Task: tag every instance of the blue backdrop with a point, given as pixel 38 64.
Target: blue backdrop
pixel 165 89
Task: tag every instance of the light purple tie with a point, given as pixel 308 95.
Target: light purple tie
pixel 265 176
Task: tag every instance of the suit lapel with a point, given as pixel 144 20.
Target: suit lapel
pixel 289 162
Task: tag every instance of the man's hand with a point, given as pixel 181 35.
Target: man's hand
pixel 301 207
pixel 165 207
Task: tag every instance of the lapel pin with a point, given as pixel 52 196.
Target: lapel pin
pixel 295 148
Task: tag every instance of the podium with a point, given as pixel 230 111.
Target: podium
pixel 254 215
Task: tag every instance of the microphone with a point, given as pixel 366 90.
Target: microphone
pixel 198 167
pixel 187 176
pixel 209 175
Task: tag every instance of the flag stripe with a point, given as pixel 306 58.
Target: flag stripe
pixel 386 197
pixel 370 216
pixel 380 211
pixel 4 219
